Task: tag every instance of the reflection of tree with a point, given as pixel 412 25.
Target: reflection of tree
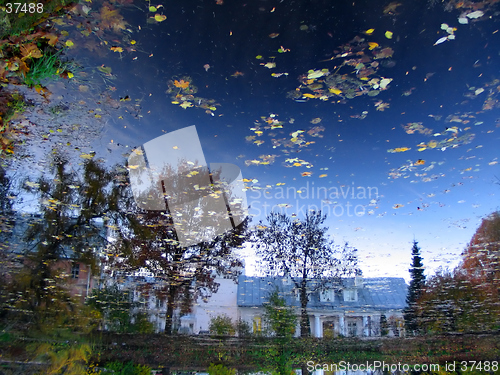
pixel 6 208
pixel 453 303
pixel 466 299
pixel 300 249
pixel 280 317
pixel 74 208
pixel 482 256
pixel 149 238
pixel 64 227
pixel 417 283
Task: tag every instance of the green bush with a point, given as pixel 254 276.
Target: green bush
pixel 243 328
pixel 280 318
pixel 221 325
pixel 220 370
pixel 128 368
pixel 384 326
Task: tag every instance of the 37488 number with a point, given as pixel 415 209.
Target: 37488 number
pixel 24 8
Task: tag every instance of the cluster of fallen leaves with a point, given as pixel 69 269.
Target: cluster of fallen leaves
pixel 96 26
pixel 274 128
pixel 417 168
pixel 285 140
pixel 182 92
pixel 355 73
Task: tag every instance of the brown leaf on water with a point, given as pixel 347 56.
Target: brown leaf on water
pixel 391 8
pixel 384 53
pixel 111 18
pixel 52 39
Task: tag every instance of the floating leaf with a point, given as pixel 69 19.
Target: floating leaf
pixel 270 65
pixel 104 69
pixel 335 90
pixel 441 40
pixel 384 82
pixel 369 31
pixel 160 17
pixel 32 184
pixel 476 14
pixel 398 149
pixel 313 74
pixel 181 84
pixel 389 34
pixel 186 104
pixel 152 9
pixel 69 43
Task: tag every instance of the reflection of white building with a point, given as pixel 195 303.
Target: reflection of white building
pixel 353 309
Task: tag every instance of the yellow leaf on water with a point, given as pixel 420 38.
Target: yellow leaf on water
pixel 388 34
pixel 432 144
pixel 69 43
pixel 369 31
pixel 152 9
pixel 322 175
pixel 372 45
pixel 160 17
pixel 186 104
pixel 70 75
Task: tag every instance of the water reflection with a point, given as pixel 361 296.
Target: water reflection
pixel 303 97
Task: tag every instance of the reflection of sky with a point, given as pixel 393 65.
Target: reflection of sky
pixel 440 207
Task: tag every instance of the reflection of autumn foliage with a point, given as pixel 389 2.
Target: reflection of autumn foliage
pixel 452 302
pixel 10 104
pixel 466 299
pixel 482 256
